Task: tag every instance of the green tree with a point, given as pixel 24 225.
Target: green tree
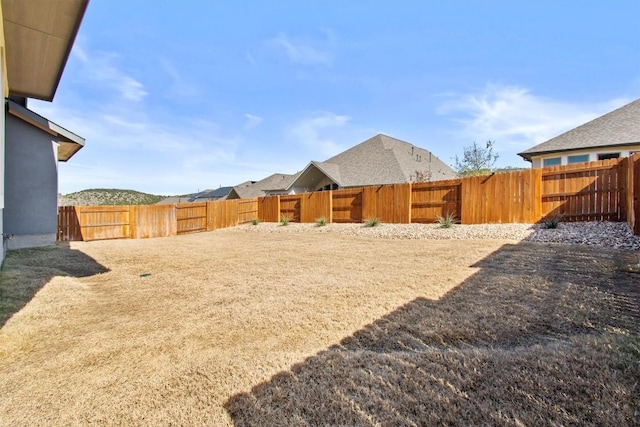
pixel 476 160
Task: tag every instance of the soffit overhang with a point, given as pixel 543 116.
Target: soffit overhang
pixel 39 35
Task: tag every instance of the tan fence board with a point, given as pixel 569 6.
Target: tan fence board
pixel 269 209
pixel 347 205
pixel 584 192
pixel 315 205
pixel 247 210
pixel 191 217
pixel 153 221
pixel 290 207
pixel 106 222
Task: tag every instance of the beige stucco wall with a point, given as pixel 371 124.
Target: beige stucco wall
pixel 625 151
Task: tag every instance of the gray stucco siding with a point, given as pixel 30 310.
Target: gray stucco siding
pixel 31 184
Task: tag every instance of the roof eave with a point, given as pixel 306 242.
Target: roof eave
pixel 302 173
pixel 69 142
pixel 528 155
pixel 324 171
pixel 38 43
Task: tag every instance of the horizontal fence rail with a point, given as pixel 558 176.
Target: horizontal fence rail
pixel 607 190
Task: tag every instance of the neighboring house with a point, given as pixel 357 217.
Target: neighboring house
pixel 211 195
pixel 377 161
pixel 616 134
pixel 174 200
pixel 259 188
pixel 37 36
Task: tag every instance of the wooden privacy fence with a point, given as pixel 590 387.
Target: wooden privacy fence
pixel 607 190
pixel 142 221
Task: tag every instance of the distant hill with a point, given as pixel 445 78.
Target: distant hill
pixel 108 196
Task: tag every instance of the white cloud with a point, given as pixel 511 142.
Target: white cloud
pixel 79 52
pixel 250 58
pixel 180 86
pixel 252 121
pixel 317 132
pixel 102 68
pixel 301 52
pixel 128 149
pixel 515 118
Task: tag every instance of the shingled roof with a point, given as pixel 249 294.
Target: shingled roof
pixel 376 161
pixel 619 127
pixel 258 188
pixel 385 160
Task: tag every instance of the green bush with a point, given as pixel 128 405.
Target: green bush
pixel 372 222
pixel 255 221
pixel 284 220
pixel 447 220
pixel 321 222
pixel 551 222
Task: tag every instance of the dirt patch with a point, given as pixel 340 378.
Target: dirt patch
pixel 286 329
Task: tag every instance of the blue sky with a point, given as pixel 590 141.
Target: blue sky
pixel 174 97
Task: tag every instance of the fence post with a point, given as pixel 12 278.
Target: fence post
pixel 633 192
pixel 622 183
pixel 175 219
pixel 409 202
pixel 537 194
pixel 330 206
pixel 132 221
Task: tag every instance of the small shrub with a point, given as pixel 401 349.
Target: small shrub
pixel 551 222
pixel 372 222
pixel 255 221
pixel 321 222
pixel 284 220
pixel 447 220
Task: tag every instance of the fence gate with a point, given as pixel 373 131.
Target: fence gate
pixel 68 225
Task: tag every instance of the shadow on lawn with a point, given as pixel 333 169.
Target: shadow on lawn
pixel 25 271
pixel 541 335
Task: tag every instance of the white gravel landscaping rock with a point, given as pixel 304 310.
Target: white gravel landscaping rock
pixel 597 233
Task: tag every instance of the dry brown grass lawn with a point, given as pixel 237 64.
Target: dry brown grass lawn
pixel 317 329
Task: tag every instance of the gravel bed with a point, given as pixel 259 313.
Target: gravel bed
pixel 596 233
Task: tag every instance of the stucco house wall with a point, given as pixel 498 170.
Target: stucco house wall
pixel 36 37
pixel 612 135
pixel 578 156
pixel 31 185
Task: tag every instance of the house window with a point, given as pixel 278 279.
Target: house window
pixel 607 156
pixel 328 187
pixel 578 158
pixel 553 161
